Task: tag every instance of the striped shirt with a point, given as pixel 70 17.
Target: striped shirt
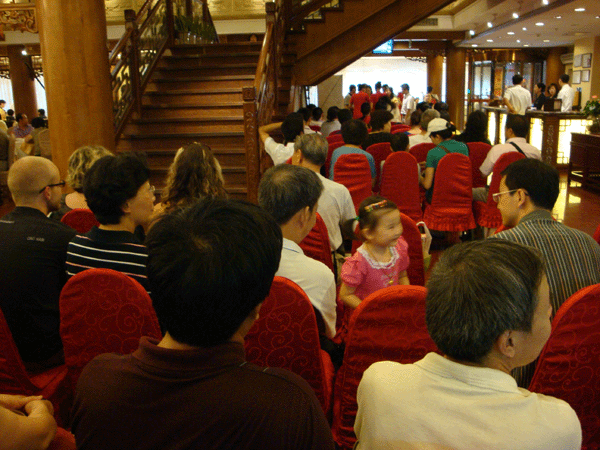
pixel 572 261
pixel 105 249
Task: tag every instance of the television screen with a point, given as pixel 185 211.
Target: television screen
pixel 385 48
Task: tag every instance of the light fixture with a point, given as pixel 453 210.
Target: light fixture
pixel 515 16
pixel 579 9
pixel 526 45
pixel 518 41
pixel 472 32
pixel 490 40
pixel 539 24
pixel 490 24
pixel 524 28
pixel 473 45
pixel 546 40
pixel 545 2
pixel 558 17
pixel 24 52
pixel 511 33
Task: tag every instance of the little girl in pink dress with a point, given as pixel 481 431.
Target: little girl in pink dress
pixel 382 259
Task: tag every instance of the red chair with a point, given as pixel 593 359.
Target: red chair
pixel 103 311
pixel 285 335
pixel 389 325
pixel 62 441
pixel 451 206
pixel 568 367
pixel 334 138
pixel 14 378
pixel 330 150
pixel 487 214
pixel 353 171
pixel 80 219
pixel 400 184
pixel 399 128
pixel 477 153
pixel 315 127
pixel 597 235
pixel 420 151
pixel 379 152
pixel 316 243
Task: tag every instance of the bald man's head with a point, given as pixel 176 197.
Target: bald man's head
pixel 28 176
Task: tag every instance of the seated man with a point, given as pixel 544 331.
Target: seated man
pixel 355 133
pixel 516 131
pixel 119 194
pixel 486 319
pixel 528 191
pixel 22 129
pixel 209 266
pixel 290 194
pixel 381 126
pixel 291 127
pixel 26 423
pixel 335 203
pixel 32 265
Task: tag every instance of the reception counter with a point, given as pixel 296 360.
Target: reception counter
pixel 584 164
pixel 549 131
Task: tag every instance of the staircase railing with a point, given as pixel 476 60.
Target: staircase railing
pixel 135 56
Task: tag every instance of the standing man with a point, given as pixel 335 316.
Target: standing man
pixel 291 127
pixel 408 104
pixel 566 93
pixel 516 98
pixel 2 111
pixel 32 265
pixel 540 97
pixel 358 99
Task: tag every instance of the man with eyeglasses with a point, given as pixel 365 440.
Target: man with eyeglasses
pixel 33 250
pixel 527 194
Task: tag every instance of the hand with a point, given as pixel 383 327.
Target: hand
pixel 39 405
pixel 17 402
pixel 423 165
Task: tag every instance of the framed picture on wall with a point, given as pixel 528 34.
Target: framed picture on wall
pixel 586 60
pixel 577 61
pixel 585 76
pixel 577 77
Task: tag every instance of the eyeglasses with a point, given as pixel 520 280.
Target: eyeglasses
pixel 61 183
pixel 497 195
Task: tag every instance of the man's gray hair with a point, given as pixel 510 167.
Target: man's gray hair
pixel 313 147
pixel 427 117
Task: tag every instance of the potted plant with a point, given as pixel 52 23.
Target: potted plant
pixel 592 112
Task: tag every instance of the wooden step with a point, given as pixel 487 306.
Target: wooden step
pixel 232 175
pixel 184 61
pixel 197 97
pixel 208 70
pixel 186 125
pixel 235 157
pixel 140 142
pixel 206 49
pixel 191 111
pixel 161 82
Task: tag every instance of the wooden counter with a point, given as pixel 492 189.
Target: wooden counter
pixel 584 164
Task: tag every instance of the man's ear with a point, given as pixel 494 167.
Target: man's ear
pixel 522 197
pixel 126 208
pixel 505 344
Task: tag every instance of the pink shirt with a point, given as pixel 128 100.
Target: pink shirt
pixel 367 275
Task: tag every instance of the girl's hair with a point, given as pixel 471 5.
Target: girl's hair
pixel 445 134
pixel 195 174
pixel 369 212
pixel 80 162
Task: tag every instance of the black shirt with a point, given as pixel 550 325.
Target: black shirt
pixel 378 138
pixel 33 250
pixel 539 102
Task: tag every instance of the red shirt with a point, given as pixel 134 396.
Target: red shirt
pixel 357 100
pixel 375 97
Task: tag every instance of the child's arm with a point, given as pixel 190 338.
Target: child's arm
pixel 348 297
pixel 403 278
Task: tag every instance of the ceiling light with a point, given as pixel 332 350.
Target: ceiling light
pixel 24 52
pixel 473 45
pixel 539 24
pixel 518 41
pixel 472 32
pixel 558 17
pixel 490 40
pixel 546 40
pixel 490 24
pixel 545 2
pixel 524 28
pixel 579 9
pixel 526 45
pixel 511 33
pixel 515 16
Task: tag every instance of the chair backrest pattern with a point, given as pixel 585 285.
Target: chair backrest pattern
pixel 569 365
pixel 316 243
pixel 389 325
pixel 477 153
pixel 353 171
pixel 400 184
pixel 420 151
pixel 379 152
pixel 81 220
pixel 331 148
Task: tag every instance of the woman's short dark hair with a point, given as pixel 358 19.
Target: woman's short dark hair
pixel 354 132
pixel 209 266
pixel 332 113
pixel 379 118
pixel 344 115
pixel 111 181
pixel 477 291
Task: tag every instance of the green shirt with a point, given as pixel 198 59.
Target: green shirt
pixel 437 153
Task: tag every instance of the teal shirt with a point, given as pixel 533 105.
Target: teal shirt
pixel 437 153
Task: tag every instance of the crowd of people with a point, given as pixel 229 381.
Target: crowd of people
pixel 208 262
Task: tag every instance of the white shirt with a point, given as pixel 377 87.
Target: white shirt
pixel 279 153
pixel 437 403
pixel 418 139
pixel 315 279
pixel 498 150
pixel 566 94
pixel 408 104
pixel 519 98
pixel 335 207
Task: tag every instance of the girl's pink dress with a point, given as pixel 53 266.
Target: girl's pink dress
pixel 367 275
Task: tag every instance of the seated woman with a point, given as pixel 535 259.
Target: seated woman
pixel 415 122
pixel 365 110
pixel 440 131
pixel 475 129
pixel 80 162
pixel 118 192
pixel 194 174
pixel 26 423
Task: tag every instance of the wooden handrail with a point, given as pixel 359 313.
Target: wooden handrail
pixel 262 60
pixel 297 14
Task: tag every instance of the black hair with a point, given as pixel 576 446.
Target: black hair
pixel 519 124
pixel 344 115
pixel 542 86
pixel 332 113
pixel 415 118
pixel 517 79
pixel 399 142
pixel 111 181
pixel 475 128
pixel 538 178
pixel 19 116
pixel 441 106
pixel 422 107
pixel 368 218
pixel 305 112
pixel 38 122
pixel 317 113
pixel 292 126
pixel 354 132
pixel 209 266
pixel 10 112
pixel 365 109
pixel 379 118
pixel 565 78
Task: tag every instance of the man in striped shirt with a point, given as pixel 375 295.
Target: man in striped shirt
pixel 528 192
pixel 119 194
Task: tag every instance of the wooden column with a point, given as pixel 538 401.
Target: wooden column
pixel 456 59
pixel 554 66
pixel 435 69
pixel 77 75
pixel 23 82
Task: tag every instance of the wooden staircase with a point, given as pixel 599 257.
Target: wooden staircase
pixel 195 95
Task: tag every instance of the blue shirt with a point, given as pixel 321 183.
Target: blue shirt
pixel 345 150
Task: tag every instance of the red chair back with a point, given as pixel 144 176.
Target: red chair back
pixel 568 366
pixel 379 152
pixel 487 214
pixel 389 325
pixel 80 219
pixel 400 184
pixel 354 172
pixel 333 133
pixel 330 150
pixel 334 138
pixel 315 127
pixel 420 151
pixel 597 235
pixel 285 335
pixel 399 128
pixel 477 153
pixel 103 311
pixel 316 243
